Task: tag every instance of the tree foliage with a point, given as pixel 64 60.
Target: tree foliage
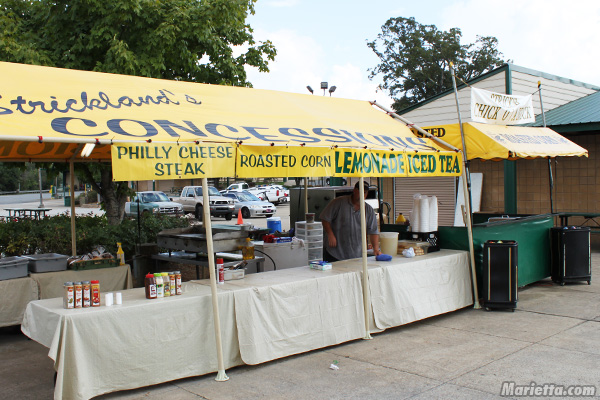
pixel 204 41
pixel 415 59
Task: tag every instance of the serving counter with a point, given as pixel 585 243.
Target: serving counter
pixel 263 317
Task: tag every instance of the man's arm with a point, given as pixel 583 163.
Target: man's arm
pixel 331 239
pixel 375 243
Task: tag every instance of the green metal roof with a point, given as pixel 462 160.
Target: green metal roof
pixel 581 114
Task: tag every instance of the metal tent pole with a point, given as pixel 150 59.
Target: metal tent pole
pixel 550 177
pixel 221 375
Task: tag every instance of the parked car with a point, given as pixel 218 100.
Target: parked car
pixel 274 193
pixel 192 201
pixel 250 205
pixel 152 202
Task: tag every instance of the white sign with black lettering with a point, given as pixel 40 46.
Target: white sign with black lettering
pixel 500 109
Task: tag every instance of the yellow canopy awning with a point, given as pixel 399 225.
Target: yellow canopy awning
pixel 159 129
pixel 500 142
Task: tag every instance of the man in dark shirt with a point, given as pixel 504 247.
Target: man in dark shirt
pixel 341 223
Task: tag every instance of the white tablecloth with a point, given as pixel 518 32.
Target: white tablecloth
pixel 139 343
pixel 114 278
pixel 263 317
pixel 14 296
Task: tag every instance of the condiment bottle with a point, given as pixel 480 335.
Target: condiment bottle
pixel 172 283
pixel 95 293
pixel 166 283
pixel 400 219
pixel 150 284
pixel 120 254
pixel 248 250
pixel 87 289
pixel 178 282
pixel 221 270
pixel 160 287
pixel 69 299
pixel 78 294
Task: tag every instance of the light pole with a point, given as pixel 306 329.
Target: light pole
pixel 40 182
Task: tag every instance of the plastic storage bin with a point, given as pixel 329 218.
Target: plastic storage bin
pixel 312 234
pixel 13 267
pixel 47 262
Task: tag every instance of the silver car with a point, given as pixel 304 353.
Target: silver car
pixel 250 205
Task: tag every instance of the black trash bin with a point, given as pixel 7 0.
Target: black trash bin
pixel 571 259
pixel 500 274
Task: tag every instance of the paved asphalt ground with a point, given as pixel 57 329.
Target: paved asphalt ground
pixel 552 338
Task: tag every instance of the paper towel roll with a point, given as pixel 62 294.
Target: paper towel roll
pixel 433 214
pixel 423 214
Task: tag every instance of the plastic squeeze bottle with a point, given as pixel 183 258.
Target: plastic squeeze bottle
pixel 120 254
pixel 248 250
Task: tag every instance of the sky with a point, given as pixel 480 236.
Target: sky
pixel 326 40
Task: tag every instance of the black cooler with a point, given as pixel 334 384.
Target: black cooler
pixel 571 259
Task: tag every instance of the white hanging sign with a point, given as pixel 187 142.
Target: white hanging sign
pixel 500 109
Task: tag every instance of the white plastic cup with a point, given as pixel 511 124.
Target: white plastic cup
pixel 108 299
pixel 119 298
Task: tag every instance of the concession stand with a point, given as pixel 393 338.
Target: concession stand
pixel 154 129
pixel 532 232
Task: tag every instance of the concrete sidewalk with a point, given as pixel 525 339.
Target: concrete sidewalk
pixel 553 337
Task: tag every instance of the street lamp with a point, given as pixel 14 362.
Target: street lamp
pixel 310 90
pixel 331 90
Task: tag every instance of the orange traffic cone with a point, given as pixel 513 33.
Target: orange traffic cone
pixel 240 221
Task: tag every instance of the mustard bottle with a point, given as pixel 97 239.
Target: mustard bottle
pixel 120 254
pixel 400 220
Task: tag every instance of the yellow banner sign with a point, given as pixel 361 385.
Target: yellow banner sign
pixel 371 163
pixel 261 161
pixel 157 161
pixel 135 161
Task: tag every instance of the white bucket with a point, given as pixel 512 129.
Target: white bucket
pixel 388 242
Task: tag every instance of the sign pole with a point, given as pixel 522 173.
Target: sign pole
pixel 550 177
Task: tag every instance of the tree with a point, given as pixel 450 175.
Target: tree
pixel 187 40
pixel 415 59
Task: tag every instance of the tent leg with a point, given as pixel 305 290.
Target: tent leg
pixel 365 270
pixel 221 375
